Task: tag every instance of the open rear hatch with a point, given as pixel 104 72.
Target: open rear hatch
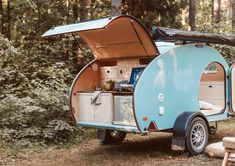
pixel 112 38
pixel 115 38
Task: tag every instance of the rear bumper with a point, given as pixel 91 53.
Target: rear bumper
pixel 109 126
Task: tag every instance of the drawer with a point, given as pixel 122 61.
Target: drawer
pixel 108 72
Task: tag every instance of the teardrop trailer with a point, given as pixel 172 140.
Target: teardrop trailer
pixel 159 86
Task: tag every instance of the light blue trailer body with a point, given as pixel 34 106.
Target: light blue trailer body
pixel 174 76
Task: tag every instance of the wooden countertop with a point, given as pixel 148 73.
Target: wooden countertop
pixel 113 92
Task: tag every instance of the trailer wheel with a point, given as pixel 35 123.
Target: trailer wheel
pixel 113 137
pixel 197 137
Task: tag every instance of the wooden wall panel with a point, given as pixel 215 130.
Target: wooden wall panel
pixel 219 76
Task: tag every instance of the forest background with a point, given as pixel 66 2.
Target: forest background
pixel 36 73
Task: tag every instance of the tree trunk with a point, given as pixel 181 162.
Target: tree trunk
pixel 68 6
pixel 192 14
pixel 233 15
pixel 84 10
pixel 75 10
pixel 116 6
pixel 8 20
pixel 216 6
pixel 1 19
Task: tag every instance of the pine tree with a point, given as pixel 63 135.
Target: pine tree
pixel 216 7
pixel 8 20
pixel 192 15
pixel 83 10
pixel 233 15
pixel 1 18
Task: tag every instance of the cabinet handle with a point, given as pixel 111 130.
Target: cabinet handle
pixel 210 86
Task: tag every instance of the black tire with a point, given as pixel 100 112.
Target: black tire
pixel 197 136
pixel 113 137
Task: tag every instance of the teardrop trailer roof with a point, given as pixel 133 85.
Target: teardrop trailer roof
pixel 113 37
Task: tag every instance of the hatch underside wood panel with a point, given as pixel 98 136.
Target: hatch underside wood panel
pixel 113 38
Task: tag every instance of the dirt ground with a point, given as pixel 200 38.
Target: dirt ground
pixel 154 149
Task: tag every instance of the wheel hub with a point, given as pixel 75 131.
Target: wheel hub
pixel 198 136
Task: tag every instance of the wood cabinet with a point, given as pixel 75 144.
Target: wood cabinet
pixel 115 108
pixel 100 111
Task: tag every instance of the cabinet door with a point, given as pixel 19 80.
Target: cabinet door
pixel 124 111
pixel 104 110
pixel 232 87
pixel 85 108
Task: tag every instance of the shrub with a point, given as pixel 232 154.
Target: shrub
pixel 34 95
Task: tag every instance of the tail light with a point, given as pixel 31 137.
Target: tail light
pixel 152 127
